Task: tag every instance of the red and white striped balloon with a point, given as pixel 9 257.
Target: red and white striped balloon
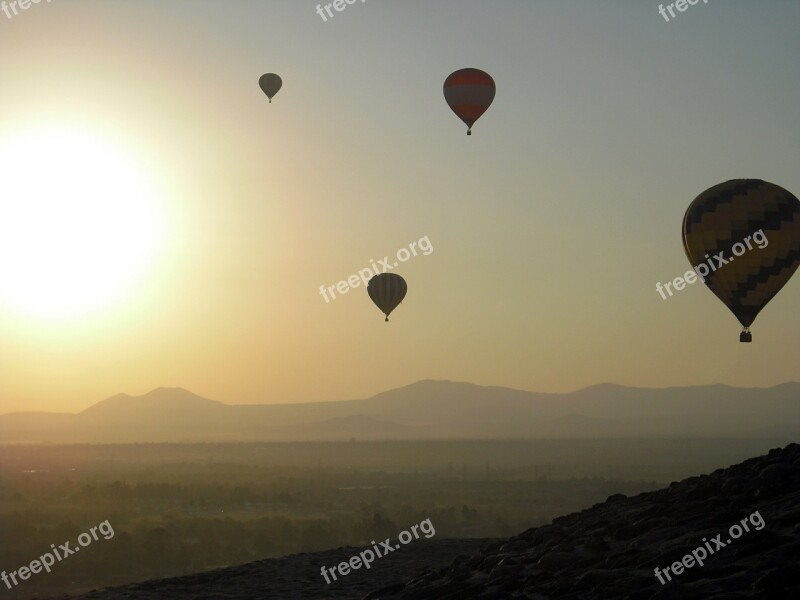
pixel 469 92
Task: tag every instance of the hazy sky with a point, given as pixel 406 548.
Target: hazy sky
pixel 550 225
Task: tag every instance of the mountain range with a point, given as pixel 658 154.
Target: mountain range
pixel 426 409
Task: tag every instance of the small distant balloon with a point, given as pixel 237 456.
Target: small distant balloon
pixel 746 234
pixel 270 83
pixel 387 291
pixel 469 92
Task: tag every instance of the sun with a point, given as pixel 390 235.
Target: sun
pixel 79 222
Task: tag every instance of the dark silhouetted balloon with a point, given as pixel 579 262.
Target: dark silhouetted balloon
pixel 720 220
pixel 387 290
pixel 469 92
pixel 270 84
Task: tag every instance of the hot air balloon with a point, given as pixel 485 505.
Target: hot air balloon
pixel 270 84
pixel 469 92
pixel 718 230
pixel 387 290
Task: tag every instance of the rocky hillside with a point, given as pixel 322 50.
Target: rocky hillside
pixel 612 549
pixel 730 535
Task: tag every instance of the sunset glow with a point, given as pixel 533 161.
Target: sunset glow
pixel 78 222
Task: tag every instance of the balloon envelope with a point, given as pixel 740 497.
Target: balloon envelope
pixel 387 290
pixel 469 92
pixel 270 83
pixel 720 219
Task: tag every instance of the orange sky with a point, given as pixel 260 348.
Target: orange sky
pixel 550 225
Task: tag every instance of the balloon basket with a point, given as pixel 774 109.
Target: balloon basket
pixel 745 336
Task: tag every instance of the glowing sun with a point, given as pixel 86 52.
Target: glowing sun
pixel 79 222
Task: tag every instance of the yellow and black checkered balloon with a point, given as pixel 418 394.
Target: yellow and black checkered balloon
pixel 721 219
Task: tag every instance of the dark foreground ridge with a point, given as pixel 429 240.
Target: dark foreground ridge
pixel 611 550
pixel 297 576
pixel 608 551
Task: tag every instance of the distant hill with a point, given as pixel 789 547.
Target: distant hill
pixel 425 410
